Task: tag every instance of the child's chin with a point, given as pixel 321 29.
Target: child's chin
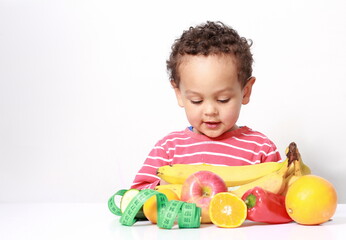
pixel 212 134
pixel 208 133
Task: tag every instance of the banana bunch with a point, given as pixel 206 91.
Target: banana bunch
pixel 275 177
pixel 296 166
pixel 274 182
pixel 279 181
pixel 232 175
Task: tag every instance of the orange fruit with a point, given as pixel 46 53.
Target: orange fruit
pixel 311 200
pixel 150 207
pixel 227 210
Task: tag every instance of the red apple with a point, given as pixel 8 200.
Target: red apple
pixel 200 188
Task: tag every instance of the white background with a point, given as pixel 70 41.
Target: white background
pixel 84 93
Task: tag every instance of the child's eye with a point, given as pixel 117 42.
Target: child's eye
pixel 196 101
pixel 223 100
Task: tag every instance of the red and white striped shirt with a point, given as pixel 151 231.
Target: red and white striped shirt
pixel 242 146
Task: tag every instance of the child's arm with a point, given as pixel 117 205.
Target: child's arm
pixel 272 153
pixel 146 176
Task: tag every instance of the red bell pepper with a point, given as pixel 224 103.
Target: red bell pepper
pixel 264 206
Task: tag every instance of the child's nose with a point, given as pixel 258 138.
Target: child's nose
pixel 210 109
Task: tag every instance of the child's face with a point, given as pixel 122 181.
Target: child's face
pixel 211 93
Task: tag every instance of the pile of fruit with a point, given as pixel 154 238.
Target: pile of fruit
pixel 273 192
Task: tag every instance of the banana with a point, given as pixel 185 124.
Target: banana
pixel 293 154
pixel 305 170
pixel 232 175
pixel 273 182
pixel 174 187
pixel 289 180
pixel 290 158
pixel 296 168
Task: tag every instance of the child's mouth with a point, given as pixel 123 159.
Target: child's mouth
pixel 212 125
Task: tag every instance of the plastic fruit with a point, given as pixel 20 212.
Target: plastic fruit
pixel 200 188
pixel 311 200
pixel 227 210
pixel 150 206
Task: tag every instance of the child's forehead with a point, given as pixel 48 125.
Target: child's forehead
pixel 212 69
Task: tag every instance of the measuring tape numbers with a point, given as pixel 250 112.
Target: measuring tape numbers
pixel 187 214
pixel 111 203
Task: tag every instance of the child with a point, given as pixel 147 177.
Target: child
pixel 211 73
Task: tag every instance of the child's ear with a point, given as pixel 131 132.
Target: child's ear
pixel 178 94
pixel 247 90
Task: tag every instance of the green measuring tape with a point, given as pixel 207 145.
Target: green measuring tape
pixel 111 204
pixel 188 213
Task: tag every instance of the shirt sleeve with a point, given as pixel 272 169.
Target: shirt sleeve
pixel 272 154
pixel 146 176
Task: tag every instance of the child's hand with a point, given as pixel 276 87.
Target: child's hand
pixel 163 182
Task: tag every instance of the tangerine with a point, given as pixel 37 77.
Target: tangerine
pixel 311 200
pixel 227 210
pixel 150 206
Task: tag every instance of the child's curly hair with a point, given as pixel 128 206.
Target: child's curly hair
pixel 211 38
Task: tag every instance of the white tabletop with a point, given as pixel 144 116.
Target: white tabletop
pixel 94 221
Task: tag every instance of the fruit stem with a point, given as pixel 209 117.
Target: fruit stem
pixel 206 191
pixel 292 153
pixel 250 201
